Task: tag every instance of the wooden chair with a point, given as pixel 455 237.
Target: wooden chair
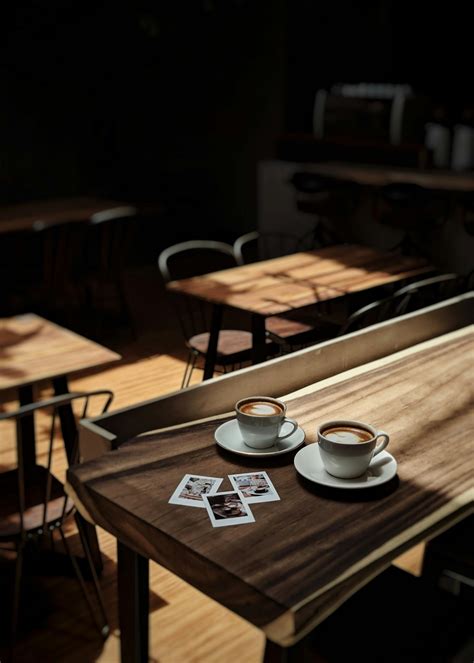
pixel 430 291
pixel 34 504
pixel 296 329
pixel 195 258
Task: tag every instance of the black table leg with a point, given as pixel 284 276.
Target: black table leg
pixel 133 603
pixel 276 654
pixel 66 417
pixel 27 425
pixel 211 353
pixel 258 339
pixel 87 531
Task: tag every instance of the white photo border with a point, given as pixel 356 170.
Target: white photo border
pixel 225 522
pixel 256 499
pixel 183 501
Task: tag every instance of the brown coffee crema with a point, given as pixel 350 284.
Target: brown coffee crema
pixel 347 434
pixel 261 408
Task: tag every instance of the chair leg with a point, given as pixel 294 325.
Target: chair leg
pixel 95 578
pixel 188 369
pixel 16 593
pixel 104 628
pixel 191 364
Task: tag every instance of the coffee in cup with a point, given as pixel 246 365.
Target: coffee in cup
pixel 261 408
pixel 347 447
pixel 260 420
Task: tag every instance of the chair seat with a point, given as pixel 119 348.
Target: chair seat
pixel 35 492
pixel 300 329
pixel 285 327
pixel 231 342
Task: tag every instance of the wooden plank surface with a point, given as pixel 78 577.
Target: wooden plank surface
pixel 279 285
pixel 22 216
pixel 380 175
pixel 33 349
pixel 63 631
pixel 276 572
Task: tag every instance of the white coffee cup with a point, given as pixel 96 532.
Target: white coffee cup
pixel 347 447
pixel 260 420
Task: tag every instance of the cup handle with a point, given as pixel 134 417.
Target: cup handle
pixel 381 446
pixel 294 424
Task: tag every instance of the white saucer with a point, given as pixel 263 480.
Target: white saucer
pixel 308 463
pixel 228 437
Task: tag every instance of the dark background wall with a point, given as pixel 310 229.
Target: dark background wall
pixel 178 101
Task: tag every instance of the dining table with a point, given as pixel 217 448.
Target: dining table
pixel 33 352
pixel 306 554
pixel 285 284
pixel 379 175
pixel 23 216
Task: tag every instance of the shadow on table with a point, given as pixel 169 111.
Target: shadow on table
pixel 343 495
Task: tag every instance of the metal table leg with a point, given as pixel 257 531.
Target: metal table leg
pixel 276 654
pixel 211 354
pixel 258 339
pixel 27 425
pixel 133 602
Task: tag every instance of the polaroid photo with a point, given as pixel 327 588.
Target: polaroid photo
pixel 192 488
pixel 255 487
pixel 228 508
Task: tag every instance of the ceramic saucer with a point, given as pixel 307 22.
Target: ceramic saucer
pixel 308 463
pixel 228 437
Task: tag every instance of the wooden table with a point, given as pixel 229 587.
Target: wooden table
pixel 280 285
pixel 33 350
pixel 22 216
pixel 308 553
pixel 380 175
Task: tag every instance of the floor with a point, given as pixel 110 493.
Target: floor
pixel 184 624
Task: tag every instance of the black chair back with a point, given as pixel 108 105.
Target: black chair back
pixel 30 478
pixel 430 291
pixel 188 259
pixel 255 246
pixel 111 240
pixel 371 314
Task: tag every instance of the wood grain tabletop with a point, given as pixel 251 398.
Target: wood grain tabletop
pixel 381 175
pixel 309 552
pixel 22 216
pixel 282 284
pixel 33 349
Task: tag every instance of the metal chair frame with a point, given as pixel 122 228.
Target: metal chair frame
pixel 430 291
pixel 378 311
pixel 193 314
pixel 49 524
pixel 271 244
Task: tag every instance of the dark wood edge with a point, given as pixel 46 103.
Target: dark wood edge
pixel 164 553
pixel 316 611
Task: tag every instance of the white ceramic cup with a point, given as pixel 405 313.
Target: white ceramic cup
pixel 347 460
pixel 263 431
